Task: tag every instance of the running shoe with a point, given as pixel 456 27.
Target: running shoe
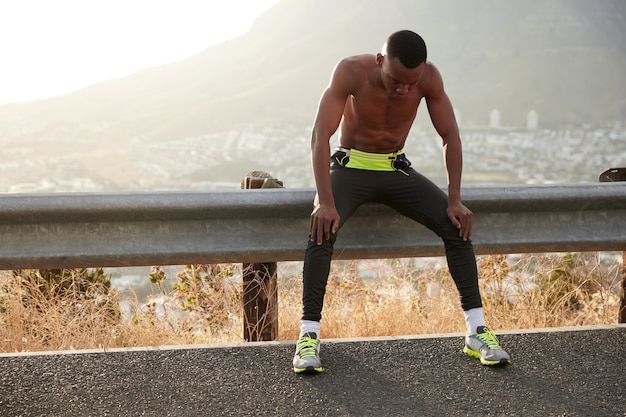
pixel 307 356
pixel 484 345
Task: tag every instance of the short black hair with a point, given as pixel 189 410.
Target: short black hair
pixel 407 46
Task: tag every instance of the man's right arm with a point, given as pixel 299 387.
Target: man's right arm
pixel 325 219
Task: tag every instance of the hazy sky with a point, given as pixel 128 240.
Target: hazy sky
pixel 50 47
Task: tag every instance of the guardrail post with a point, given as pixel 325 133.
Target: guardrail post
pixel 622 309
pixel 260 290
pixel 611 175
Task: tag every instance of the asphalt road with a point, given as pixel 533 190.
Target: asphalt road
pixel 561 372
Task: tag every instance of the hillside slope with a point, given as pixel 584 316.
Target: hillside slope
pixel 562 58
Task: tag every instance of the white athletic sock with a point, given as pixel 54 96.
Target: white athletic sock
pixel 310 326
pixel 474 318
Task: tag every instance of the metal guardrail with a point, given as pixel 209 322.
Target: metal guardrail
pixel 259 227
pixel 269 225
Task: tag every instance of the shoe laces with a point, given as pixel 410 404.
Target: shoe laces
pixel 489 338
pixel 307 346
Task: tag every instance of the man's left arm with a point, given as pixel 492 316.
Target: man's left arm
pixel 442 116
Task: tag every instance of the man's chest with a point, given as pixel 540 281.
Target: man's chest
pixel 381 110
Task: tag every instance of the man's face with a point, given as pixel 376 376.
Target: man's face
pixel 398 80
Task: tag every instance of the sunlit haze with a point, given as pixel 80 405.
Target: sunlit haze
pixel 54 47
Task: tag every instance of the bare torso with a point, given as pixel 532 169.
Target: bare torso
pixel 373 101
pixel 374 120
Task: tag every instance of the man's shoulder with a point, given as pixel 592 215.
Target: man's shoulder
pixel 363 59
pixel 431 70
pixel 351 72
pixel 431 82
pixel 358 62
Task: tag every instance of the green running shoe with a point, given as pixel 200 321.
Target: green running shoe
pixel 484 345
pixel 307 357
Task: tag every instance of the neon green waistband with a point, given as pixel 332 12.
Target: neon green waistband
pixel 370 161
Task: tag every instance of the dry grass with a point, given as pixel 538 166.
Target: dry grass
pixel 391 297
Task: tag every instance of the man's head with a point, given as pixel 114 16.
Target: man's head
pixel 407 46
pixel 402 63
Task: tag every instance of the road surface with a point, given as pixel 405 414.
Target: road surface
pixel 555 372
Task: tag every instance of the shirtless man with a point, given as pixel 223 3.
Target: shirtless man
pixel 373 100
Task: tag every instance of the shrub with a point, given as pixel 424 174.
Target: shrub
pixel 57 308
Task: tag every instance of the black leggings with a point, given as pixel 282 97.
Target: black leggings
pixel 411 194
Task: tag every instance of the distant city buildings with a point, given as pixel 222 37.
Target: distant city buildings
pixel 494 119
pixel 218 161
pixel 532 120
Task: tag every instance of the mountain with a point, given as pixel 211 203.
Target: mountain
pixel 563 58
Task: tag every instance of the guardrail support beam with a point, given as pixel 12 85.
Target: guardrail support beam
pixel 260 281
pixel 622 309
